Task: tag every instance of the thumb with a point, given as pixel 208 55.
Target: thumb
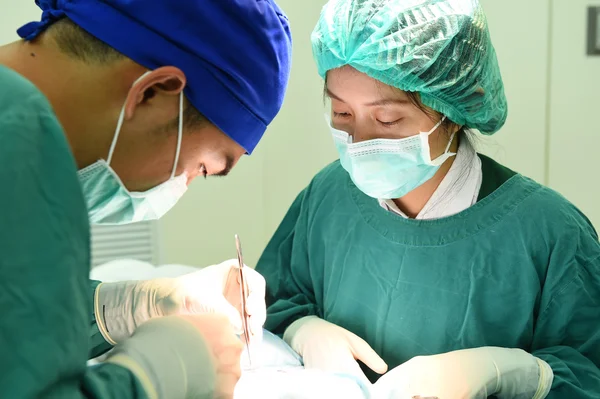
pixel 362 351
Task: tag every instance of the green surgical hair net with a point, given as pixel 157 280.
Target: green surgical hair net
pixel 438 48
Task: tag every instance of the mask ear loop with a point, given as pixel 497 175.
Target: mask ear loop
pixel 449 141
pixel 436 126
pixel 120 124
pixel 451 137
pixel 179 135
pixel 116 137
pixel 425 148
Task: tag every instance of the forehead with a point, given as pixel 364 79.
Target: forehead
pixel 349 84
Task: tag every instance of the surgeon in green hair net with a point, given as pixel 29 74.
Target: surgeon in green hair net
pixel 414 261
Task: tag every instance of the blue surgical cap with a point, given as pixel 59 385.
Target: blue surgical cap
pixel 236 54
pixel 438 48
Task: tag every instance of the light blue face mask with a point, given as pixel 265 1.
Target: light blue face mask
pixel 109 201
pixel 388 168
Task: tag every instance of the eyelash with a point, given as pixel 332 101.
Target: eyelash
pixel 341 114
pixel 390 124
pixel 384 124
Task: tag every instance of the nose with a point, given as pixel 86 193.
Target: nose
pixel 191 175
pixel 361 132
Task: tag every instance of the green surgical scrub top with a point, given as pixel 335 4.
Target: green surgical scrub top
pixel 47 327
pixel 519 269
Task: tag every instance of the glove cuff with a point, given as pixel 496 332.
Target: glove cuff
pixel 116 311
pixel 546 379
pixel 519 374
pixel 100 315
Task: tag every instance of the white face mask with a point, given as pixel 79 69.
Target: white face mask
pixel 109 201
pixel 389 168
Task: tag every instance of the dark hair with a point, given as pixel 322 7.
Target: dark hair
pixel 78 44
pixel 448 126
pixel 75 42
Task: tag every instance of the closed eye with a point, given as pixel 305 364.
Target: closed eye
pixel 388 124
pixel 341 115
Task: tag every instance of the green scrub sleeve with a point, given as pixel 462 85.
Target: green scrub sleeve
pixel 98 345
pixel 567 332
pixel 45 260
pixel 285 264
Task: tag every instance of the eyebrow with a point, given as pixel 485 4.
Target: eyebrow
pixel 229 161
pixel 377 103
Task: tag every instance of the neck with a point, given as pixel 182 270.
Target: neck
pixel 86 99
pixel 413 203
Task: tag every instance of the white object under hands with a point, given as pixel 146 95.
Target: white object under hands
pixel 277 372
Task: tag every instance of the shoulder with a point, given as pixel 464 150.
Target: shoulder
pixel 29 128
pixel 553 227
pixel 557 235
pixel 557 211
pixel 27 120
pixel 537 201
pixel 17 93
pixel 327 186
pixel 568 240
pixel 330 177
pixel 34 151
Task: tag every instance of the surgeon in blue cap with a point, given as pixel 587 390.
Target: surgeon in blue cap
pixel 108 110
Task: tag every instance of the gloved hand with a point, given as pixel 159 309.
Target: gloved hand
pixel 182 357
pixel 122 307
pixel 328 347
pixel 469 374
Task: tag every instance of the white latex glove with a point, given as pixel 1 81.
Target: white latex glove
pixel 468 374
pixel 121 307
pixel 182 357
pixel 328 347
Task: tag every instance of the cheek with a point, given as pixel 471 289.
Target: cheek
pixel 437 144
pixel 145 162
pixel 190 158
pixel 208 147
